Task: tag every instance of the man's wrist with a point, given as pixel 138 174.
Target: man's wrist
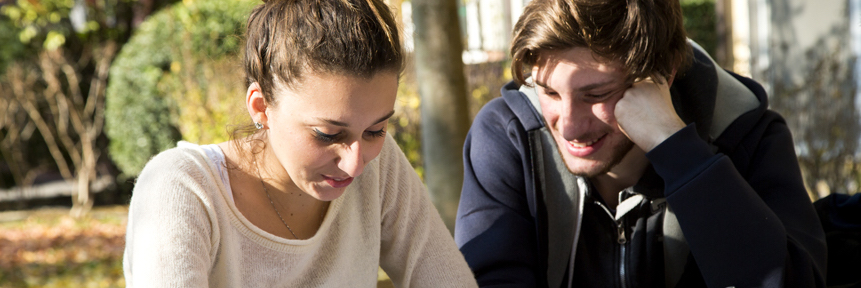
pixel 682 150
pixel 660 136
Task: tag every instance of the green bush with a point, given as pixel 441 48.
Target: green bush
pixel 700 22
pixel 175 79
pixel 26 27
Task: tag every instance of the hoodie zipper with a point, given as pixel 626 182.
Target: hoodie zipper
pixel 622 240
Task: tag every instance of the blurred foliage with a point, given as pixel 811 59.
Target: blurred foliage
pixel 12 48
pixel 53 70
pixel 178 77
pixel 405 124
pixel 47 248
pixel 818 112
pixel 700 23
pixel 27 27
pixel 483 83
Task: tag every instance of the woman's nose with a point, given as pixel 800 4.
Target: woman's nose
pixel 351 160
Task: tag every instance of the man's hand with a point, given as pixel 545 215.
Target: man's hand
pixel 646 114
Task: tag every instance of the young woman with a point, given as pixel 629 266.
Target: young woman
pixel 318 195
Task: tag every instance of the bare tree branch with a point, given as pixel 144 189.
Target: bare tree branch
pixel 26 98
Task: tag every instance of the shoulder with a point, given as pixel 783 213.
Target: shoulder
pixel 498 132
pixel 391 155
pixel 496 153
pixel 513 107
pixel 495 115
pixel 182 168
pixel 175 158
pixel 389 170
pixel 496 126
pixel 185 159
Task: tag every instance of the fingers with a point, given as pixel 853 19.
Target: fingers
pixel 645 113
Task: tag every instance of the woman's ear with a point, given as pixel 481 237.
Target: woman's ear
pixel 256 104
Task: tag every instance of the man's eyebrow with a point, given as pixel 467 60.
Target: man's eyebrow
pixel 342 124
pixel 584 88
pixel 595 85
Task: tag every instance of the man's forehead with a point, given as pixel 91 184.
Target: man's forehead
pixel 578 56
pixel 590 69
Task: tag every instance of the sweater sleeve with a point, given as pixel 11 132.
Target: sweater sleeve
pixel 495 229
pixel 753 227
pixel 416 248
pixel 168 239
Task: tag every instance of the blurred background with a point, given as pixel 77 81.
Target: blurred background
pixel 91 89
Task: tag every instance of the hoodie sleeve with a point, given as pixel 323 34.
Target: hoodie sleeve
pixel 747 226
pixel 495 230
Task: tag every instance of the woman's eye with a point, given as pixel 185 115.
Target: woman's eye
pixel 325 138
pixel 377 133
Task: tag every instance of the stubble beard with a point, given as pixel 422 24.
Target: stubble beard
pixel 616 157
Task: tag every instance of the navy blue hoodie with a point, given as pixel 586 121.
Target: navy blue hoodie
pixel 731 178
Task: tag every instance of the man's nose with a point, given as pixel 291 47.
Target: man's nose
pixel 575 118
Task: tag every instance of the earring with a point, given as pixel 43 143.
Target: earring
pixel 258 125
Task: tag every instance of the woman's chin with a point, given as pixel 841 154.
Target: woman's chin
pixel 325 192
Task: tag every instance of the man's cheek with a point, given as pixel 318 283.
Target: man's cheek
pixel 550 112
pixel 606 111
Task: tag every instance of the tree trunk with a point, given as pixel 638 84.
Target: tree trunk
pixel 444 113
pixel 723 11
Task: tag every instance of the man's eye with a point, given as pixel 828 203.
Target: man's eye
pixel 598 95
pixel 551 94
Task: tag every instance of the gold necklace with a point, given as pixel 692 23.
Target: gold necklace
pixel 273 203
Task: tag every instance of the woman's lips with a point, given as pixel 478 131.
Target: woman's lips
pixel 583 149
pixel 338 182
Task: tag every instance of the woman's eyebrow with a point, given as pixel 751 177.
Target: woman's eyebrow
pixel 342 124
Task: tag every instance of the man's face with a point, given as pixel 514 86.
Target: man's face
pixel 578 94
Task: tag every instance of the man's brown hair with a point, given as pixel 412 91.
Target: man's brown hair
pixel 646 36
pixel 286 38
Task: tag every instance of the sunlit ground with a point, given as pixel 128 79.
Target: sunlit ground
pixel 48 248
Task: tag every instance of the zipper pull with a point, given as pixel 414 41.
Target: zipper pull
pixel 621 230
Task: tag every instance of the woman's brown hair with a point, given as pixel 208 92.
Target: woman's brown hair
pixel 646 36
pixel 285 39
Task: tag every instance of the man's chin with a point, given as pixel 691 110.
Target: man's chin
pixel 589 171
pixel 590 168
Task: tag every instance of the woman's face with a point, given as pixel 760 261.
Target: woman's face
pixel 324 130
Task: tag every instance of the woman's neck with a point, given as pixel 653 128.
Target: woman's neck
pixel 264 193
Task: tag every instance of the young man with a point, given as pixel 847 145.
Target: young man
pixel 625 158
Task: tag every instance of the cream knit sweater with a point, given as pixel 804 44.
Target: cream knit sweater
pixel 183 231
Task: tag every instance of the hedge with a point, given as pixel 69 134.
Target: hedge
pixel 176 64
